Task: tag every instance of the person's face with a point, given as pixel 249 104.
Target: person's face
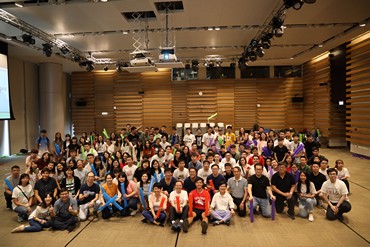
pixel 199 184
pixel 161 152
pixel 25 180
pixel 15 172
pixel 332 176
pixel 192 173
pixel 255 160
pixel 144 178
pixel 90 178
pixel 210 159
pixel 49 199
pixel 87 148
pixel 168 150
pixel 209 131
pixel 255 152
pixel 294 168
pixel 310 138
pixel 228 169
pixel 129 161
pixel 188 131
pixel 181 164
pixel 289 159
pixel 287 134
pixel 45 175
pixel 315 168
pixel 121 179
pixel 145 165
pixel 51 166
pixel 315 152
pixel 258 170
pixel 109 179
pixel 43 135
pixel 199 132
pixel 268 162
pixel 282 169
pixel 164 139
pixel 229 130
pixel 194 147
pixel 227 156
pixel 90 159
pixel 202 157
pixel 340 165
pixel 69 173
pixel 194 159
pixel 168 175
pixel 178 187
pixel 146 131
pixel 282 134
pixel 46 156
pixel 157 191
pixel 303 162
pixel 233 150
pixel 215 170
pixel 33 165
pixel 222 188
pixel 64 196
pixel 217 157
pixel 295 138
pixel 79 164
pixel 60 167
pixel 274 164
pixel 324 164
pixel 303 177
pixel 236 172
pixel 115 164
pixel 178 154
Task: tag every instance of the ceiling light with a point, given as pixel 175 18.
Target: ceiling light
pixel 242 63
pixel 260 52
pixel 291 58
pixel 296 4
pixel 277 22
pixel 252 56
pixel 64 50
pixel 217 28
pixel 105 68
pixel 47 49
pixel 321 45
pixel 28 39
pixel 104 1
pixel 210 28
pixel 104 113
pixel 362 24
pixel 266 44
pixel 19 4
pixel 125 32
pixel 254 43
pixel 278 32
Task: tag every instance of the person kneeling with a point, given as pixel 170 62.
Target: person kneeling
pixel 306 193
pixel 89 197
pixel 157 206
pixel 222 206
pixel 64 213
pixel 179 208
pixel 200 198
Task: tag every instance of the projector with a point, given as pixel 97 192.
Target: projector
pixel 167 54
pixel 140 59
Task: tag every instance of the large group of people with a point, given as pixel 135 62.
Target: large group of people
pixel 182 178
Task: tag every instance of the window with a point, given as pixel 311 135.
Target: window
pixel 287 71
pixel 255 72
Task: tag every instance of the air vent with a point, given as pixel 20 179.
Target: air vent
pixel 174 6
pixel 130 16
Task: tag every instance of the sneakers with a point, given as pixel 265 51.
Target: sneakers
pixel 227 222
pixel 133 213
pixel 179 225
pixel 204 227
pixel 174 226
pixel 185 226
pixel 18 229
pixel 20 219
pixel 310 217
pixel 215 223
pixel 292 216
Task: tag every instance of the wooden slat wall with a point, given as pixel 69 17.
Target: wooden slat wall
pixel 294 116
pixel 166 103
pixel 245 99
pixel 104 101
pixel 358 91
pixel 317 97
pixel 127 100
pixel 83 117
pixel 157 99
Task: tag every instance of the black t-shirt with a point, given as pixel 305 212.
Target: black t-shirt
pixel 283 184
pixel 227 176
pixel 189 185
pixel 216 180
pixel 93 190
pixel 198 140
pixel 308 147
pixel 259 186
pixel 168 187
pixel 317 180
pixel 133 138
pixel 280 152
pixel 44 187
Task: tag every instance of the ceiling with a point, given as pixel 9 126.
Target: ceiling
pixel 97 27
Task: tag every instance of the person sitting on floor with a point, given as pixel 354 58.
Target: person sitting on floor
pixel 180 211
pixel 88 197
pixel 157 202
pixel 131 194
pixel 38 219
pixel 111 189
pixel 23 198
pixel 306 194
pixel 200 199
pixel 222 206
pixel 64 213
pixel 10 183
pixel 335 195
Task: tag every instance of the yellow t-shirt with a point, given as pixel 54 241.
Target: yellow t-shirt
pixel 230 139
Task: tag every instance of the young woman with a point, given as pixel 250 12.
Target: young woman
pixel 244 167
pixel 289 163
pixel 74 146
pixel 131 194
pixel 71 182
pixel 59 174
pixel 262 143
pixel 343 173
pixel 43 161
pixel 118 156
pixel 156 171
pixel 23 198
pixel 176 160
pixel 144 185
pixel 306 193
pixel 242 137
pixel 57 146
pixel 118 144
pixel 72 164
pixel 66 142
pixel 111 189
pixel 39 218
pixel 160 157
pixel 295 172
pixel 157 145
pixel 185 155
pixel 104 160
pixel 100 146
pixel 155 200
pixel 127 146
pixel 100 169
pixel 33 173
pixel 148 151
pixel 268 150
pixel 143 168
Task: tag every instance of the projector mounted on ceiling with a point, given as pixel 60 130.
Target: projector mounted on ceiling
pixel 140 59
pixel 167 58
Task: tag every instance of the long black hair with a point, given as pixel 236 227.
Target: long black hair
pixel 300 183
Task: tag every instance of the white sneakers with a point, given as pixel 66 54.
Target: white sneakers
pixel 133 213
pixel 18 229
pixel 310 217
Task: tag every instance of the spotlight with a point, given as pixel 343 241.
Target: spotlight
pixel 195 65
pixel 76 58
pixel 296 4
pixel 242 63
pixel 47 49
pixel 260 52
pixel 278 32
pixel 266 44
pixel 82 64
pixel 211 65
pixel 187 66
pixel 118 67
pixel 249 49
pixel 253 43
pixel 277 22
pixel 105 68
pixel 218 63
pixel 64 50
pixel 28 39
pixel 89 66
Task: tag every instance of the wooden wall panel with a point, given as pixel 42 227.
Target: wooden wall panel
pixel 179 102
pixel 225 102
pixel 358 91
pixel 83 117
pixel 294 116
pixel 245 98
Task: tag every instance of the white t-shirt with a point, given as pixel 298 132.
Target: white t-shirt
pixel 304 189
pixel 168 158
pixel 81 174
pixel 231 161
pixel 189 140
pixel 207 140
pixel 335 190
pixel 130 171
pixel 110 148
pixel 222 202
pixel 183 198
pixel 324 173
pixel 17 193
pixel 39 212
pixel 343 173
pixel 204 174
pixel 181 175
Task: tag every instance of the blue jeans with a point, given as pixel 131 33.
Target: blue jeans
pixel 306 206
pixel 36 226
pixel 148 215
pixel 22 212
pixel 264 204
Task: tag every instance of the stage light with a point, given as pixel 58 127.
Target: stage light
pixel 249 49
pixel 195 65
pixel 187 66
pixel 89 66
pixel 309 1
pixel 47 49
pixel 278 32
pixel 277 22
pixel 118 67
pixel 252 56
pixel 76 58
pixel 260 52
pixel 242 63
pixel 266 44
pixel 82 64
pixel 105 68
pixel 253 43
pixel 296 4
pixel 64 50
pixel 232 65
pixel 28 39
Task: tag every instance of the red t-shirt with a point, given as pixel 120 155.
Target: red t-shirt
pixel 200 199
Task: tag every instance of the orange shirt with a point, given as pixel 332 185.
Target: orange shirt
pixel 111 190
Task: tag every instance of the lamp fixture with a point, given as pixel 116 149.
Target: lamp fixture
pixel 47 49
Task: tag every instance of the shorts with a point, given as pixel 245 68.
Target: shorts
pixel 198 213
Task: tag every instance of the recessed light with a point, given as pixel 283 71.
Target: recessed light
pixel 213 48
pixel 104 113
pixel 321 45
pixel 217 28
pixel 210 28
pixel 124 32
pixel 19 4
pixel 362 24
pixel 292 58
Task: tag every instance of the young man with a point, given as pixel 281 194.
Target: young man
pixel 303 167
pixel 45 185
pixel 297 148
pixel 228 173
pixel 283 185
pixel 168 182
pixel 80 172
pixel 254 154
pixel 189 138
pixel 181 173
pixel 10 183
pixel 282 136
pixel 280 150
pixel 219 139
pixel 195 162
pixel 222 206
pixel 228 159
pixel 64 213
pixel 233 152
pixel 88 150
pixel 130 168
pixel 315 154
pixel 324 168
pixel 205 171
pixel 164 142
pixel 237 187
pixel 229 136
pixel 335 195
pixel 42 143
pixel 180 211
pixel 207 139
pixel 32 157
pixel 88 197
pixel 189 182
pixel 200 197
pixel 258 189
pixel 309 144
pixel 198 140
pixel 216 179
pixel 317 178
pixel 174 137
